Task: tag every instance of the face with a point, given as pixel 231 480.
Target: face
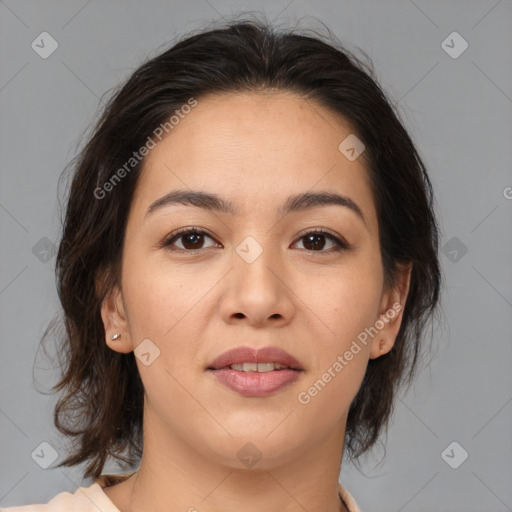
pixel 307 279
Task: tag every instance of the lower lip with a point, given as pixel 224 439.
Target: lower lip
pixel 256 384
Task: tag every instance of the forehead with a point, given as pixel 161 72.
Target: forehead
pixel 257 149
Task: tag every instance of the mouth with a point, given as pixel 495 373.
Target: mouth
pixel 255 373
pixel 247 359
pixel 256 367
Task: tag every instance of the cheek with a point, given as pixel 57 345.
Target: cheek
pixel 347 300
pixel 166 304
pixel 346 307
pixel 328 394
pixel 347 303
pixel 157 295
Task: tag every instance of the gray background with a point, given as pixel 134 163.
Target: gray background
pixel 458 111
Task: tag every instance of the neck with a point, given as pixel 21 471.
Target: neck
pixel 173 477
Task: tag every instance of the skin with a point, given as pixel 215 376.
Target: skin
pixel 254 149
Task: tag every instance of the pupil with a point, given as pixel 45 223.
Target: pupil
pixel 314 245
pixel 192 239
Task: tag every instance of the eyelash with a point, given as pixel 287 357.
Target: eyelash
pixel 341 245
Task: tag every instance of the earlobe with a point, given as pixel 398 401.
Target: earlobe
pixel 115 322
pixel 380 349
pixel 385 339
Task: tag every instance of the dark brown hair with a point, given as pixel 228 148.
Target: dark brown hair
pixel 102 401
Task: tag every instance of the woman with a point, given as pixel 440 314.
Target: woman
pixel 248 263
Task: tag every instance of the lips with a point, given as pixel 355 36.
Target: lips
pixel 242 355
pixel 257 378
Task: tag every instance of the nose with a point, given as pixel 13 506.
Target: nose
pixel 258 293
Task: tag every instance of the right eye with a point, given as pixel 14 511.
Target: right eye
pixel 192 239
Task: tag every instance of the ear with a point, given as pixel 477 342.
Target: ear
pixel 115 321
pixel 391 312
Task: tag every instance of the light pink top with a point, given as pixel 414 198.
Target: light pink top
pixel 93 499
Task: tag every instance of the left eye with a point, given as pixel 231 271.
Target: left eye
pixel 314 241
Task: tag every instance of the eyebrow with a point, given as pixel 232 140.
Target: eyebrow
pixel 295 203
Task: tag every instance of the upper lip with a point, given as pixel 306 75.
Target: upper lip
pixel 255 355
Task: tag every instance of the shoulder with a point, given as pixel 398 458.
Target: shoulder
pixel 84 499
pixel 92 499
pixel 347 498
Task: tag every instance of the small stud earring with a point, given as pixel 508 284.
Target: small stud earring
pixel 116 336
